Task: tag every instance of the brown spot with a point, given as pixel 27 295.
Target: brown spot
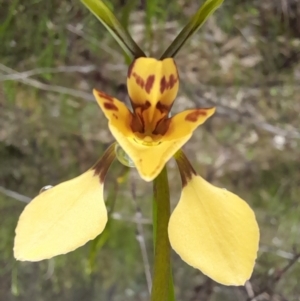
pixel 110 106
pixel 140 116
pixel 146 105
pixel 102 166
pixel 172 81
pixel 162 108
pixel 193 116
pixel 104 95
pixel 168 84
pixel 138 123
pixel 139 81
pixel 149 83
pixel 185 168
pixel 115 116
pixel 142 107
pixel 130 69
pixel 162 126
pixel 163 84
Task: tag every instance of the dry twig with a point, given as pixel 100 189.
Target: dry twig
pixel 275 278
pixel 37 71
pixel 140 235
pixel 49 88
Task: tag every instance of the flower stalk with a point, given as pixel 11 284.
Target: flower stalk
pixel 162 287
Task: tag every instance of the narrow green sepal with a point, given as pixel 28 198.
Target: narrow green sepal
pixel 193 25
pixel 119 33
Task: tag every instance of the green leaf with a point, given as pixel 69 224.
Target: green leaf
pixel 119 33
pixel 193 25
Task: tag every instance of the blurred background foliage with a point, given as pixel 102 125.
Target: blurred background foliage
pixel 245 60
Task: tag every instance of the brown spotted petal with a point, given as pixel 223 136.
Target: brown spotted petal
pixel 117 114
pixel 152 86
pixel 183 124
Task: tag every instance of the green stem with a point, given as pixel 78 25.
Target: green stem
pixel 162 286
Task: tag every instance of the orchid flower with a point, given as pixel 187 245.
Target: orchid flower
pixel 211 228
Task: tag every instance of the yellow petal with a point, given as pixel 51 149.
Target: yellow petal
pixel 148 160
pixel 184 123
pixel 214 231
pixel 116 112
pixel 152 87
pixel 65 217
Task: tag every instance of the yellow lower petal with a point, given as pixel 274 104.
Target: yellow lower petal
pixel 215 231
pixel 61 219
pixel 148 160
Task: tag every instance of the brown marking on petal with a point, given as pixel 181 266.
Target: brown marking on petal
pixel 144 106
pixel 149 83
pixel 130 69
pixel 115 116
pixel 138 122
pixel 139 81
pixel 172 81
pixel 185 168
pixel 110 106
pixel 162 126
pixel 103 164
pixel 193 116
pixel 163 84
pixel 168 84
pixel 162 108
pixel 104 95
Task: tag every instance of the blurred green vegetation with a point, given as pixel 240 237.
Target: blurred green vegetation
pixel 245 61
